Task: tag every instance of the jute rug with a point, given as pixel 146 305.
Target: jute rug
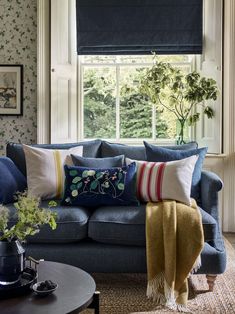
pixel 126 293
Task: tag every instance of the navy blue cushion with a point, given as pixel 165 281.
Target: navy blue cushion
pixel 160 154
pixel 132 152
pixel 11 180
pixel 94 186
pixel 72 224
pixel 126 225
pixel 16 153
pixel 108 162
pixel 135 152
pixel 190 145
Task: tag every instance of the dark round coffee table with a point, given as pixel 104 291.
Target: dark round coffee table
pixel 76 291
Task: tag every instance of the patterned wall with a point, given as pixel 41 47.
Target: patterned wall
pixel 18 45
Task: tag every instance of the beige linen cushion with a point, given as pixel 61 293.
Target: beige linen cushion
pixel 157 181
pixel 45 170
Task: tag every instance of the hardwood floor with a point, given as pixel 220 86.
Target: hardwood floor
pixel 230 237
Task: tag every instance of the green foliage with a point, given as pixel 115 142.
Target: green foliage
pixel 169 92
pixel 135 108
pixel 179 93
pixel 30 218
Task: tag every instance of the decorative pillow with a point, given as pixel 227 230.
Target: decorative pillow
pixel 115 149
pixel 95 187
pixel 161 154
pixel 134 152
pixel 11 180
pixel 108 162
pixel 157 181
pixel 45 170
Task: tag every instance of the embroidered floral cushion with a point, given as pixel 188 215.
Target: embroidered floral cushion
pixel 157 181
pixel 98 186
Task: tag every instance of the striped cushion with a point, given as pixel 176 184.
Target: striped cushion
pixel 45 170
pixel 157 181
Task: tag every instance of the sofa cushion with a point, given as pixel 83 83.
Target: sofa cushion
pixel 94 186
pixel 107 162
pixel 135 152
pixel 126 225
pixel 113 149
pixel 158 181
pixel 11 180
pixel 160 154
pixel 72 224
pixel 16 153
pixel 45 170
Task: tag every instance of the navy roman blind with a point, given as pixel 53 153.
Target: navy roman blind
pixel 139 26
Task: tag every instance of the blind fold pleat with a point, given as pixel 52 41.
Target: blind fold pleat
pixel 139 26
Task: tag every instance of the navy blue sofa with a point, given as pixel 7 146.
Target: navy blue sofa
pixel 112 239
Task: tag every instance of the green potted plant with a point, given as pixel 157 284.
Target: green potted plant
pixel 30 217
pixel 171 89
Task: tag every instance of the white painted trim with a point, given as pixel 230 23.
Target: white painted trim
pixel 43 71
pixel 229 116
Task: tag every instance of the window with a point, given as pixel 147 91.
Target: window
pixel 112 104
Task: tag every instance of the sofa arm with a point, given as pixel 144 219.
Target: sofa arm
pixel 211 184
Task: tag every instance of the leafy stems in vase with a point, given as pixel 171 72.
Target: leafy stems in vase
pixel 30 218
pixel 170 89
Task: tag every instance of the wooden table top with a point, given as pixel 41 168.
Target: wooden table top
pixel 75 292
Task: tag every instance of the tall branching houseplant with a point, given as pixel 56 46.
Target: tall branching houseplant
pixel 182 94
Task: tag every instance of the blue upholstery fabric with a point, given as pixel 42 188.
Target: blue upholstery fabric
pixel 97 257
pixel 126 225
pixel 11 180
pixel 132 152
pixel 16 153
pixel 95 187
pixel 92 256
pixel 190 145
pixel 211 184
pixel 135 152
pixel 72 224
pixel 108 162
pixel 161 154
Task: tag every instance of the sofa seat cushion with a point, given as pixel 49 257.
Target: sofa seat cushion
pixel 125 225
pixel 72 224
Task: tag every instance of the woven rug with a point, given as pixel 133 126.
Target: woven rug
pixel 126 293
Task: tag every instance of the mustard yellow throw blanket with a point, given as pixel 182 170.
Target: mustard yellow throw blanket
pixel 174 240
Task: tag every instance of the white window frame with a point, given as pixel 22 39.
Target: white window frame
pixel 118 64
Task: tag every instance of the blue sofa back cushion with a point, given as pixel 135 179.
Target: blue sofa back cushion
pixel 16 153
pixel 108 162
pixel 161 154
pixel 94 187
pixel 11 180
pixel 135 152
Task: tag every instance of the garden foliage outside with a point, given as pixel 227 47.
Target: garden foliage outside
pixel 100 91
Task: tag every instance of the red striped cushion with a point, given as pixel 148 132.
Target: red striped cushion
pixel 165 180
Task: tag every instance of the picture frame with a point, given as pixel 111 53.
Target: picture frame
pixel 11 89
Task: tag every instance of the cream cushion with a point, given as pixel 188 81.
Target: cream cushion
pixel 45 170
pixel 157 181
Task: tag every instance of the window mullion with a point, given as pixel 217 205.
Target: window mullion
pixel 80 99
pixel 153 121
pixel 118 102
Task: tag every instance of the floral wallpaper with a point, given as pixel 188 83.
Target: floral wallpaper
pixel 18 45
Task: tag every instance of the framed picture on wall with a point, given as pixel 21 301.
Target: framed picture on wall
pixel 11 89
